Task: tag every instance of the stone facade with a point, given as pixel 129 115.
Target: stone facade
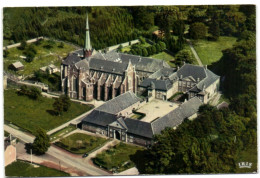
pixel 88 84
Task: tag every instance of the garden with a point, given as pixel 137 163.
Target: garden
pixel 117 158
pixel 80 143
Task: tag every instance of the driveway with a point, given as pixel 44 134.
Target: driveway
pixel 194 52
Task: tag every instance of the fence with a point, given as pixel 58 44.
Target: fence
pixel 42 37
pixel 110 48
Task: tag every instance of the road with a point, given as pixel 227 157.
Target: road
pixel 74 161
pixel 194 52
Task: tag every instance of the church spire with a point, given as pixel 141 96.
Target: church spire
pixel 87 48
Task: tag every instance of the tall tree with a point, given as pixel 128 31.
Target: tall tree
pixel 41 142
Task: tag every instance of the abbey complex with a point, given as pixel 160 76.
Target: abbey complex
pixel 120 78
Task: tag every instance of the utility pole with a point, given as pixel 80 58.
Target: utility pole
pixel 31 156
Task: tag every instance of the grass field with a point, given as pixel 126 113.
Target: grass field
pixel 117 158
pixel 30 114
pixel 211 51
pixel 164 56
pixel 80 143
pixel 24 169
pixel 43 57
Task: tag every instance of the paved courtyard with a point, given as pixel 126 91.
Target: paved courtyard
pixel 156 108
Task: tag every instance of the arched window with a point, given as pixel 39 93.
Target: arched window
pixel 75 83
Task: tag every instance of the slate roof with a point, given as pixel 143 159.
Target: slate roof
pixel 192 70
pixel 79 52
pixel 164 72
pixel 107 66
pixel 139 127
pixel 176 117
pixel 82 64
pixel 119 103
pixel 163 85
pixel 144 63
pixel 100 118
pixel 71 59
pixel 211 78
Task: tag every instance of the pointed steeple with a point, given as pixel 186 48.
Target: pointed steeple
pixel 87 47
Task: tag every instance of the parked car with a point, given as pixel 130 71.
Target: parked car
pixel 85 155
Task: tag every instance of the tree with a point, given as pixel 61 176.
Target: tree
pixel 61 104
pixel 153 49
pixel 58 106
pixel 214 27
pixel 144 52
pixel 142 40
pixel 119 49
pixel 35 93
pixel 198 30
pixel 162 45
pixel 41 142
pixel 66 102
pixel 29 56
pixel 184 56
pixel 23 45
pixel 158 48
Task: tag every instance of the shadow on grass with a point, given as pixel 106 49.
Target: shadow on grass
pixel 51 112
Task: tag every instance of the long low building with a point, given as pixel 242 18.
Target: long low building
pixel 111 119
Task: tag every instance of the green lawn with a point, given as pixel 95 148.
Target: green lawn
pixel 117 158
pixel 24 169
pixel 211 51
pixel 62 132
pixel 164 56
pixel 248 155
pixel 80 143
pixel 30 114
pixel 43 57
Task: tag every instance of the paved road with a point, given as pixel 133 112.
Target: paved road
pixel 194 52
pixel 27 138
pixel 75 161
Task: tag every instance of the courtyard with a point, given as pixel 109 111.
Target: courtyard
pixel 155 109
pixel 80 143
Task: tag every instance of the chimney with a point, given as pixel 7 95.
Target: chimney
pixel 198 80
pixel 206 67
pixel 181 77
pixel 178 68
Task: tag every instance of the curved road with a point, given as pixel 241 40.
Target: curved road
pixel 69 158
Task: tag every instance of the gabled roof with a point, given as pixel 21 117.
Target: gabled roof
pixel 139 127
pixel 192 70
pixel 71 59
pixel 176 117
pixel 82 64
pixel 119 103
pixel 164 72
pixel 144 63
pixel 211 78
pixel 100 118
pixel 163 85
pixel 107 66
